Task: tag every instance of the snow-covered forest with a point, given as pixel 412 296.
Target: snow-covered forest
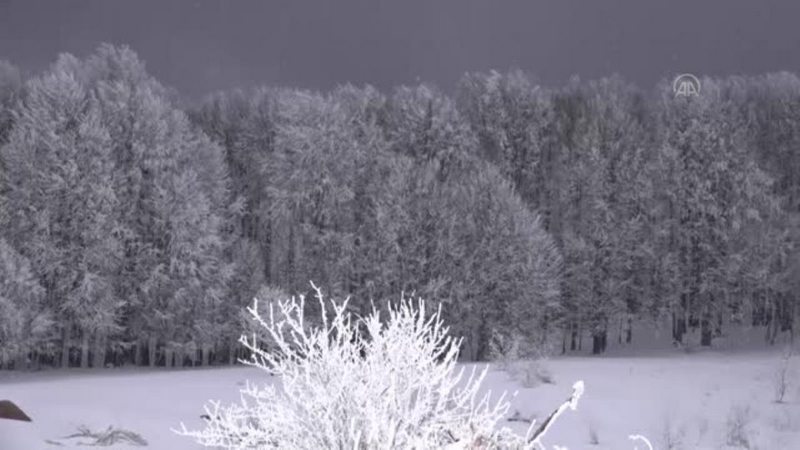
pixel 136 228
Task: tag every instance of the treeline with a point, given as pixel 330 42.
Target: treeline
pixel 135 232
pixel 663 206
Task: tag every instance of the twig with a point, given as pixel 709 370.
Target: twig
pixel 571 403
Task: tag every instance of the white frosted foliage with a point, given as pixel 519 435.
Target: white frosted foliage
pixel 361 383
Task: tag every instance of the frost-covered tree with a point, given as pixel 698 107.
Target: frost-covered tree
pixel 717 198
pixel 10 91
pixel 242 123
pixel 25 323
pixel 773 132
pixel 374 212
pixel 614 220
pixel 122 209
pixel 314 176
pixel 467 238
pixel 171 184
pixel 61 205
pixel 513 119
pixel 310 187
pixel 331 186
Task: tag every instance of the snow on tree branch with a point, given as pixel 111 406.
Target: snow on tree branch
pixel 362 383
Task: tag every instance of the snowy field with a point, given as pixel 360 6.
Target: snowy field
pixel 678 400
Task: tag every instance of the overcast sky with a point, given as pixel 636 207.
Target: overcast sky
pixel 199 46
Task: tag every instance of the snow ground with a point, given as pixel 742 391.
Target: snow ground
pixel 687 397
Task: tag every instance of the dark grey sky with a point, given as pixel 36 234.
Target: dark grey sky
pixel 200 46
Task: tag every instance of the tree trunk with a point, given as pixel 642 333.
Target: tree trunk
pixel 795 322
pixel 629 331
pixel 483 339
pixel 99 351
pixel 705 332
pixel 151 350
pixel 678 328
pixel 599 342
pixel 574 336
pixel 687 316
pixel 771 322
pixel 707 323
pixel 774 325
pixel 65 347
pixel 206 351
pixel 169 354
pixel 84 349
pixel 180 357
pixel 20 360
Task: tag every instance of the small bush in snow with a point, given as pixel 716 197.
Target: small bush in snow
pixel 402 393
pixel 106 438
pixel 529 373
pixel 594 438
pixel 786 421
pixel 672 434
pixel 702 427
pixel 504 350
pixel 526 366
pixel 783 375
pixel 738 426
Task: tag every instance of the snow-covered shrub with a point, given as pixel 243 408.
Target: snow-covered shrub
pixel 504 350
pixel 737 426
pixel 106 438
pixel 702 427
pixel 267 297
pixel 594 438
pixel 524 362
pixel 783 375
pixel 529 372
pixel 403 392
pixel 672 433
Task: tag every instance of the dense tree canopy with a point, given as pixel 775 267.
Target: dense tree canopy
pixel 135 232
